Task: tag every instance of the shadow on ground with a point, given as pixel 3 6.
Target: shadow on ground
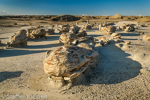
pixel 44 46
pixel 129 34
pixel 7 75
pixel 4 38
pixel 128 39
pixel 95 35
pixel 52 37
pixel 93 29
pixel 14 52
pixel 113 67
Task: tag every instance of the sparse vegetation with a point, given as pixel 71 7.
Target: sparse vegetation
pixel 15 24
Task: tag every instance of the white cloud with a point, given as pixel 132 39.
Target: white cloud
pixel 4 12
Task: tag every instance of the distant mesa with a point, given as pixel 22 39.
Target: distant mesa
pixel 117 16
pixel 65 18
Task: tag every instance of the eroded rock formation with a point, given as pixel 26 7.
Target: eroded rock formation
pixel 18 39
pixel 108 29
pixel 63 64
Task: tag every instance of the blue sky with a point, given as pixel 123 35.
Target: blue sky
pixel 75 7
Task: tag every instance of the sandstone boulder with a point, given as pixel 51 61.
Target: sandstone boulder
pixel 72 30
pixel 38 33
pixel 103 41
pixel 65 63
pixel 122 27
pixel 86 27
pixel 146 38
pixel 130 29
pixel 116 36
pixel 19 39
pixel 108 30
pixel 67 38
pixel 64 29
pixel 87 39
pixel 100 25
pixel 81 33
pixel 29 32
pixel 50 31
pixel 76 28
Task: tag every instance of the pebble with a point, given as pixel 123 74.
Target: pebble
pixel 143 71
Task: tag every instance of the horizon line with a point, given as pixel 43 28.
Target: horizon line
pixel 68 14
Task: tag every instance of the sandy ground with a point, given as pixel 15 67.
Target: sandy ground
pixel 122 73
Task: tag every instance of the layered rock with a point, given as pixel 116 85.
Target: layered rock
pixel 130 29
pixel 81 33
pixel 50 31
pixel 108 29
pixel 116 37
pixel 18 39
pixel 103 41
pixel 38 33
pixel 64 28
pixel 67 38
pixel 86 27
pixel 65 63
pixel 87 39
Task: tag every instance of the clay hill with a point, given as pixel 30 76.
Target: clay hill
pixel 65 18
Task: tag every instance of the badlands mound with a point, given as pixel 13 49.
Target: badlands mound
pixel 65 18
pixel 117 16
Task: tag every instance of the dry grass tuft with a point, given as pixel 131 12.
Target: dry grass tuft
pixel 15 24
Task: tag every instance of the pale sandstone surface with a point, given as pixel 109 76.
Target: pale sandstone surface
pixel 122 72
